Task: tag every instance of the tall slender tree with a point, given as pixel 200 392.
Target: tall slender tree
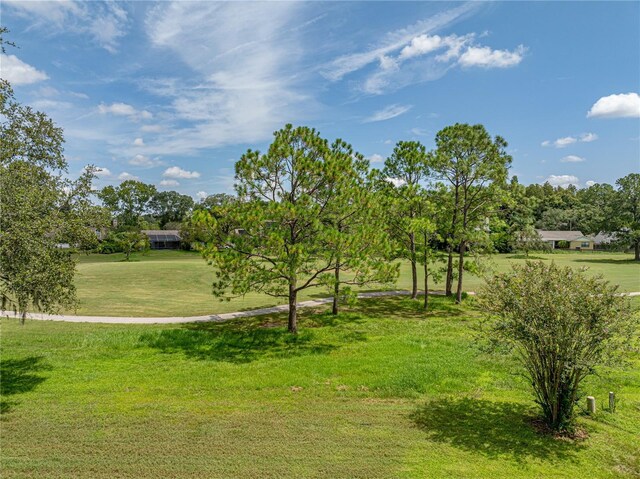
pixel 475 167
pixel 403 171
pixel 360 242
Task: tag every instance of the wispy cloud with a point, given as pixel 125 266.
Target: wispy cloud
pixel 388 112
pixel 124 109
pixel 572 159
pixel 243 59
pixel 105 22
pixel 624 105
pixel 393 42
pixel 414 54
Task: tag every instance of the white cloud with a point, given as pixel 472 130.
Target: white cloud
pixel 419 131
pixel 570 140
pixel 177 172
pixel 388 112
pixel 564 142
pixel 201 195
pixel 104 22
pixel 124 109
pixel 17 72
pixel 169 183
pixel 588 137
pixel 572 159
pixel 421 45
pixel 624 105
pixel 127 176
pixel 144 161
pixel 562 180
pixel 138 142
pixel 485 57
pixel 375 158
pixel 590 183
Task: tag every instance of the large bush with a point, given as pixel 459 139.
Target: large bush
pixel 561 323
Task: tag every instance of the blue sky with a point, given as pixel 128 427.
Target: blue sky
pixel 172 93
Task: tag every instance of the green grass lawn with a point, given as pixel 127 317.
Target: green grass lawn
pixel 168 283
pixel 384 391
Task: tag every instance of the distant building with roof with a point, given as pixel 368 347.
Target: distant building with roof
pixel 163 239
pixel 567 240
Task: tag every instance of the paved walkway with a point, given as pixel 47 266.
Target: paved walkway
pixel 198 319
pixel 212 317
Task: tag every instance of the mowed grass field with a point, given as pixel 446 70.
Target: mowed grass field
pixel 382 391
pixel 177 283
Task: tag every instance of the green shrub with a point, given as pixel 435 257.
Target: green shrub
pixel 562 324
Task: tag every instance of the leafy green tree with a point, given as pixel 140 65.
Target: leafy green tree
pixel 627 212
pixel 567 325
pixel 170 206
pixel 284 219
pixel 39 210
pixel 475 167
pixel 403 171
pixel 130 242
pixel 596 208
pixel 128 202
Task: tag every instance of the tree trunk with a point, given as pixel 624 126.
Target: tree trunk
pixel 463 246
pixel 293 308
pixel 449 281
pixel 23 317
pixel 426 276
pixel 336 290
pixel 414 270
pixel 637 248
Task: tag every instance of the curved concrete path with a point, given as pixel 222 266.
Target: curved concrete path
pixel 198 319
pixel 213 317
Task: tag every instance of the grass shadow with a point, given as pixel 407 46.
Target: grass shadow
pixel 249 339
pixel 406 308
pixel 17 376
pixel 608 261
pixel 530 257
pixel 493 429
